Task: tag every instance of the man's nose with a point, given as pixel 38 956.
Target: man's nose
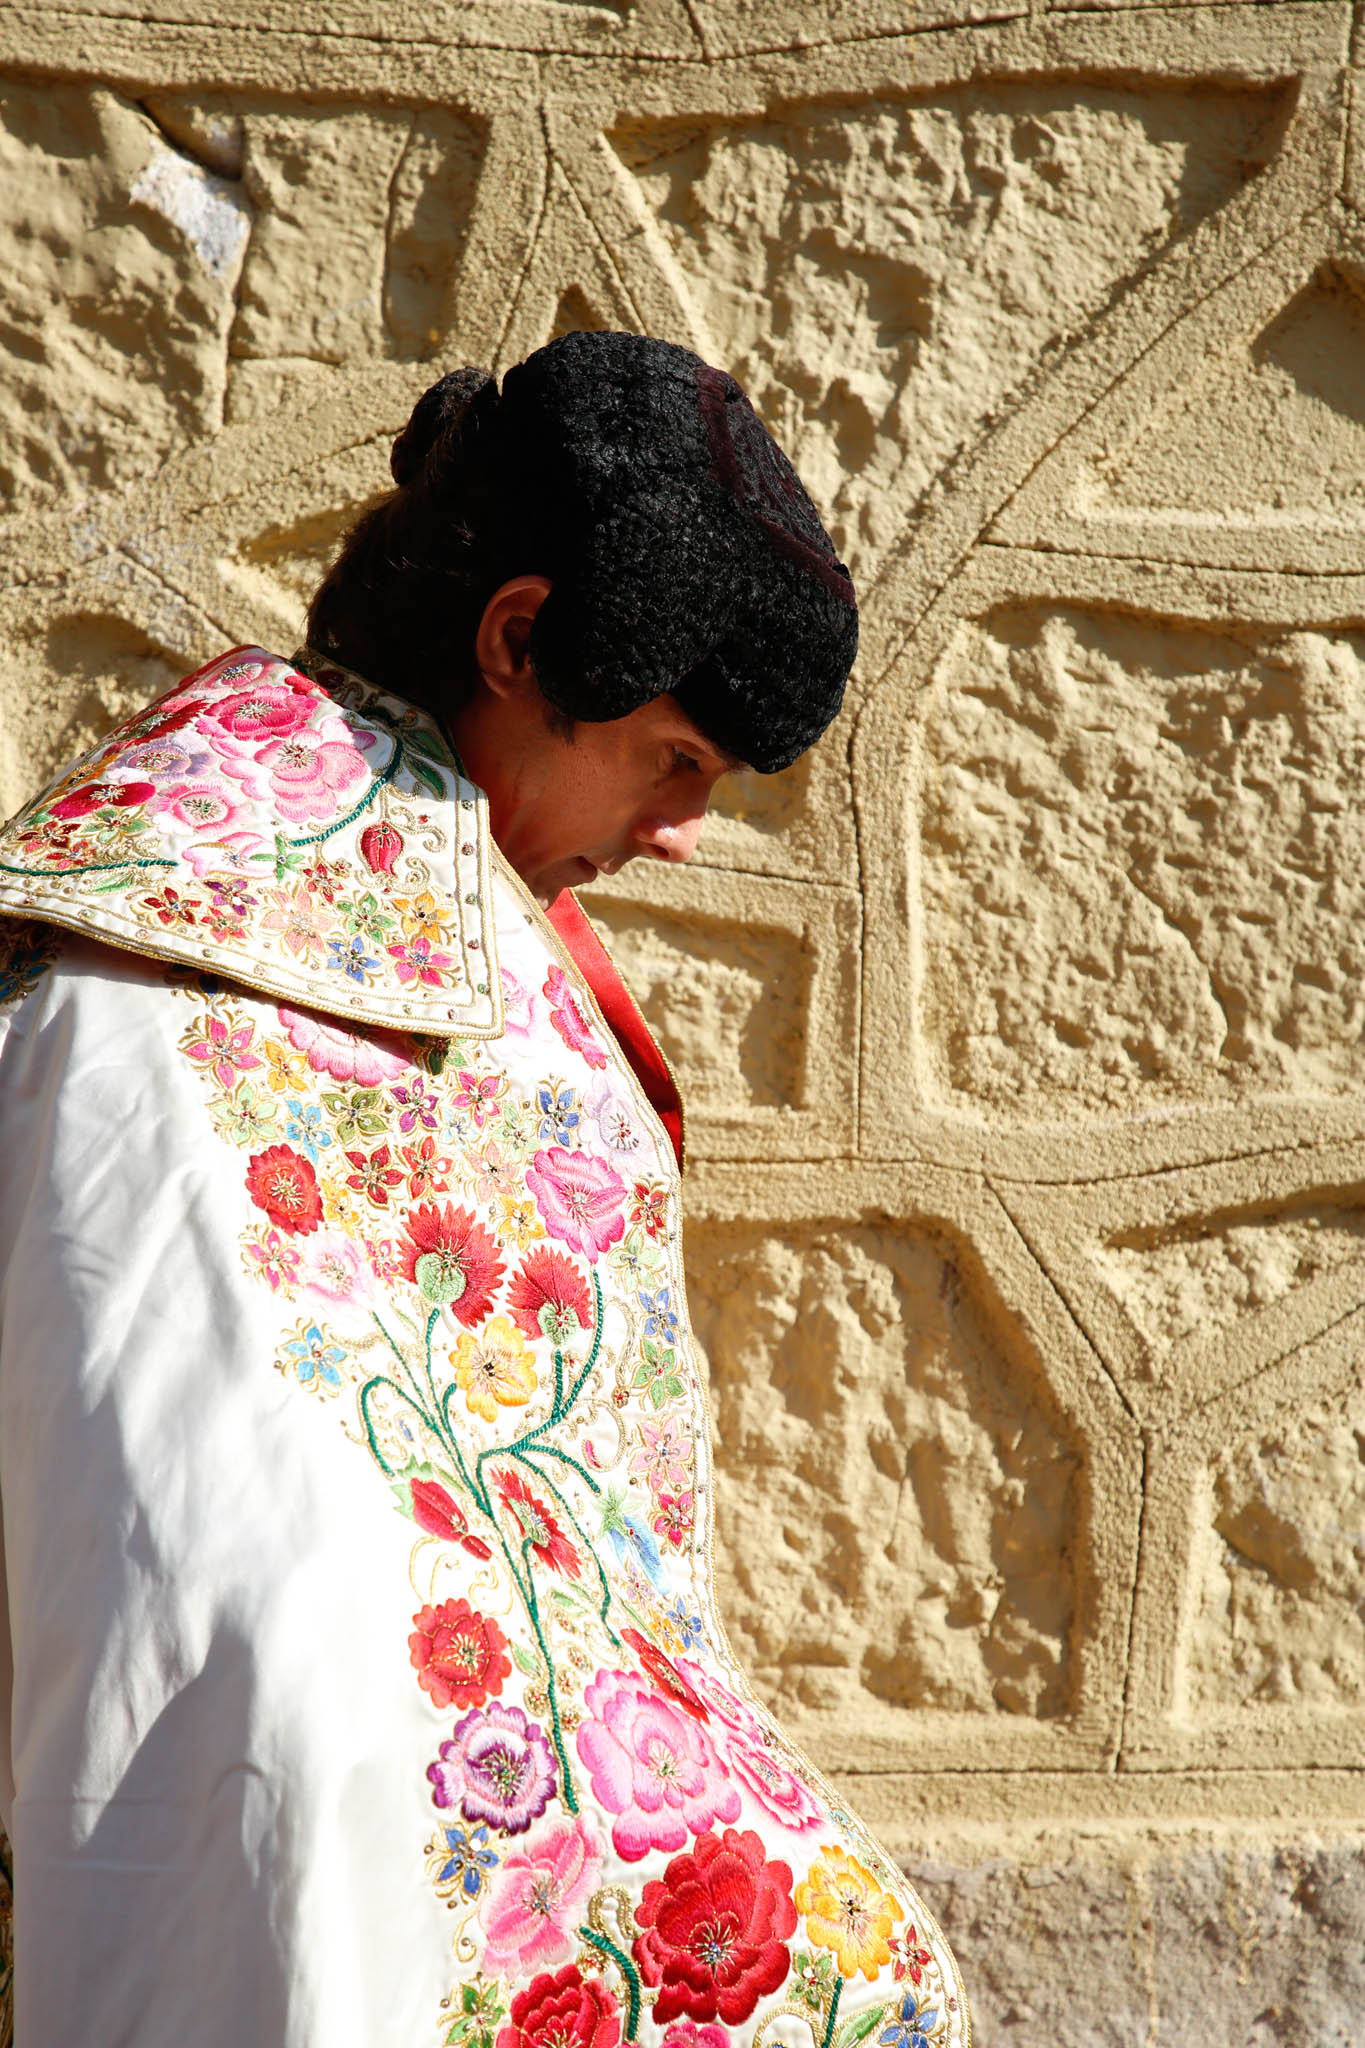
pixel 669 838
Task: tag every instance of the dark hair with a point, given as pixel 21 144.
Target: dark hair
pixel 683 552
pixel 403 600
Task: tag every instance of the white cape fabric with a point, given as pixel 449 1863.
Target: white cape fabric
pixel 366 1684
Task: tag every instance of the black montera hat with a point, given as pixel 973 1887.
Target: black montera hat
pixel 685 554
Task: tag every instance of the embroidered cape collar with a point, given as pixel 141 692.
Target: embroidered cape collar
pixel 284 825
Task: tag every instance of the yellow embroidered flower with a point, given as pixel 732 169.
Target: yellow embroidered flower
pixel 846 1910
pixel 519 1222
pixel 422 918
pixel 341 1207
pixel 284 1067
pixel 494 1369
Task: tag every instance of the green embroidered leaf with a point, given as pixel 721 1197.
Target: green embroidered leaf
pixel 425 776
pixel 416 741
pixel 658 1392
pixel 524 1660
pixel 643 1375
pixel 673 1387
pixel 860 2027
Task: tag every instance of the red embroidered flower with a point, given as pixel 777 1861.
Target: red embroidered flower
pixel 649 1207
pixel 375 1173
pixel 428 1170
pixel 549 1296
pixel 458 1654
pixel 667 1676
pixel 452 1259
pixel 284 1184
pixel 170 909
pixel 94 795
pixel 538 1526
pixel 434 1510
pixel 380 846
pixel 569 1020
pixel 715 1929
pixel 562 2011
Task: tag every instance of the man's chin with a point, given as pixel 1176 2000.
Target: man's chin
pixel 575 873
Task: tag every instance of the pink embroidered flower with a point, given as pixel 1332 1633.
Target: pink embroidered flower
pixel 569 1020
pixel 230 853
pixel 335 1269
pixel 652 1765
pixel 774 1784
pixel 346 1057
pixel 311 771
pixel 580 1199
pixel 537 1527
pixel 479 1093
pixel 263 711
pixel 519 1004
pixel 451 1258
pixel 419 960
pixel 223 1052
pixel 201 806
pixel 297 922
pixel 687 2034
pixel 276 1262
pixel 674 1518
pixel 497 1767
pixel 724 1704
pixel 664 1459
pixel 533 1903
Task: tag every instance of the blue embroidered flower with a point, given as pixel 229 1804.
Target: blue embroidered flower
pixel 559 1113
pixel 660 1321
pixel 629 1537
pixel 911 2027
pixel 349 957
pixel 688 1626
pixel 314 1358
pixel 469 1861
pixel 305 1128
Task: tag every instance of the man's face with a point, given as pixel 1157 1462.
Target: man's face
pixel 566 809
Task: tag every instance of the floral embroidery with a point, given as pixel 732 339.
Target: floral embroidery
pixel 493 1370
pixel 529 1910
pixel 286 1187
pixel 715 1928
pixel 458 1654
pixel 652 1765
pixel 847 1911
pixel 563 2011
pixel 497 1767
pixel 26 952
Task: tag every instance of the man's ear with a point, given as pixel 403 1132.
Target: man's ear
pixel 502 641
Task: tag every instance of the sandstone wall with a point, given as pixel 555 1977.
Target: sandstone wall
pixel 1022 1024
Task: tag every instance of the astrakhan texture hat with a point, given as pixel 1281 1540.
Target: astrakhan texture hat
pixel 683 551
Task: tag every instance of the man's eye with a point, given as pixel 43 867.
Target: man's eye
pixel 682 760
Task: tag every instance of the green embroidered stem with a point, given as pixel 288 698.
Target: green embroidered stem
pixel 564 1457
pixel 547 1482
pixel 429 1420
pixel 833 2011
pixel 629 1974
pixel 95 867
pixel 340 824
pixel 381 1380
pixel 533 1609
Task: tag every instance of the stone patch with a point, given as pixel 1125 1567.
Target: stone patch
pixel 1143 860
pixel 881 276
pixel 1197 1279
pixel 1281 1613
pixel 120 259
pixel 895 1504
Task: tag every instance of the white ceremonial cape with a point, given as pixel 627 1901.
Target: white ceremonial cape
pixel 364 1679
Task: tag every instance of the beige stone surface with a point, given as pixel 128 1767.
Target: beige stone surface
pixel 1021 1024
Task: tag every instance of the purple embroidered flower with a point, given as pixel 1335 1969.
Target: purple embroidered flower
pixel 497 1767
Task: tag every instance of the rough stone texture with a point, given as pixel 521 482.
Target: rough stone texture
pixel 870 1428
pixel 1281 1612
pixel 1021 1024
pixel 1142 860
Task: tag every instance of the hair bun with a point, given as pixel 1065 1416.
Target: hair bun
pixel 440 416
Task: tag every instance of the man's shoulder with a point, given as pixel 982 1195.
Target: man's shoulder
pixel 292 828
